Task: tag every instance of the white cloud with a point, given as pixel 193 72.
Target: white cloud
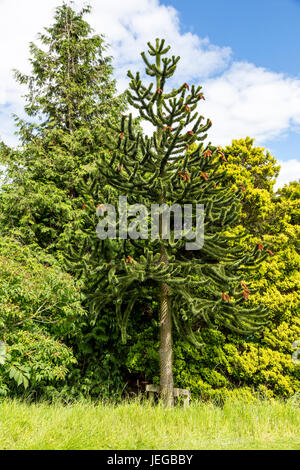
pixel 290 171
pixel 129 25
pixel 19 24
pixel 248 100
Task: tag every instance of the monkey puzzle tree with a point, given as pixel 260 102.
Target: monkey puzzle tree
pixel 173 166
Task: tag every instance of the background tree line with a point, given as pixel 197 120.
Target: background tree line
pixel 54 180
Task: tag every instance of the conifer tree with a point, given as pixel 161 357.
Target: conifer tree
pixel 46 198
pixel 172 166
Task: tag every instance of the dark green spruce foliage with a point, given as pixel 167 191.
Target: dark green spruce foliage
pixel 47 195
pixel 173 166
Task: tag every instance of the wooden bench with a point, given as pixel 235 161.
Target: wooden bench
pixel 177 392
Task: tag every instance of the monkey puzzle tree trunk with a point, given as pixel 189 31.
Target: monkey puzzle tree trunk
pixel 166 348
pixel 166 352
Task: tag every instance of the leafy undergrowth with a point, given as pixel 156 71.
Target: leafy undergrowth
pixel 236 425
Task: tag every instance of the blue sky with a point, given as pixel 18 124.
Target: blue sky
pixel 265 32
pixel 245 53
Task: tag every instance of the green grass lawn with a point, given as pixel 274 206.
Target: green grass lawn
pixel 261 425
